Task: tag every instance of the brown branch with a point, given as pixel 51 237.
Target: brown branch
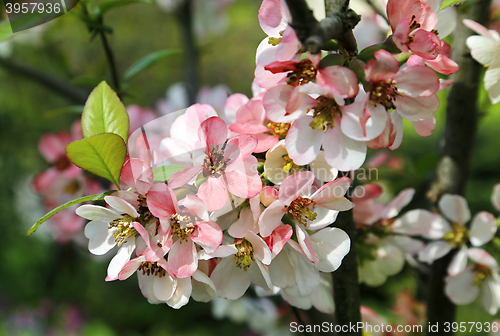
pixel 453 169
pixel 48 81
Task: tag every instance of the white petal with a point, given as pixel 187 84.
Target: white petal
pixel 495 196
pixel 100 237
pixel 182 293
pixel 303 303
pixel 455 208
pixel 121 205
pixel 306 276
pixel 322 170
pixel 459 261
pixel 164 287
pixel 98 213
pixel 483 228
pixel 121 258
pixel 259 275
pixel 342 152
pixel 460 288
pixel 231 282
pixel 260 249
pixel 203 287
pixel 434 251
pixel 321 297
pixel 332 245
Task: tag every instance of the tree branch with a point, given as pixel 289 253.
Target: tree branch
pixel 453 168
pixel 345 279
pixel 76 95
pixel 185 19
pixel 338 25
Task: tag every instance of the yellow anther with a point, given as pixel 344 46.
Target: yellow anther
pixel 279 129
pixel 244 257
pixel 457 236
pixel 183 225
pixel 300 210
pixel 325 112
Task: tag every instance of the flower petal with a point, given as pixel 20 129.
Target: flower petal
pixel 483 228
pixel 455 208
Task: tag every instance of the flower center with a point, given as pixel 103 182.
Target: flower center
pixel 325 112
pixel 244 257
pixel 289 165
pixel 482 272
pixel 274 41
pixel 457 236
pixel 144 212
pixel 279 129
pixel 152 268
pixel 124 230
pixel 214 163
pixel 304 73
pixel 384 93
pixel 183 225
pixel 300 210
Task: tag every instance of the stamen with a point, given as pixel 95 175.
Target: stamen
pixel 183 225
pixel 325 113
pixel 152 268
pixel 304 73
pixel 124 230
pixel 300 210
pixel 244 257
pixel 482 273
pixel 144 212
pixel 289 165
pixel 457 236
pixel 214 163
pixel 279 129
pixel 384 93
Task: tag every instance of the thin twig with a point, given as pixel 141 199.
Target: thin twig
pixel 111 60
pixel 75 94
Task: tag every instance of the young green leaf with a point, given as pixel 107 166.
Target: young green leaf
pixel 104 113
pixel 5 30
pixel 97 197
pixel 164 173
pixel 102 154
pixel 368 53
pixel 449 3
pixel 148 61
pixel 107 5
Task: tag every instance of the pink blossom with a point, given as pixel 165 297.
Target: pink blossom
pixel 188 223
pixel 227 166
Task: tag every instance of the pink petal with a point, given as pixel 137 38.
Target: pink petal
pixel 213 132
pixel 245 223
pixel 265 142
pixel 270 218
pixel 305 243
pixel 240 147
pixel 208 235
pixel 341 78
pixel 415 109
pixel 270 17
pixel 195 206
pixel 383 67
pixel 275 101
pixel 162 201
pixel 425 44
pixel 425 127
pixel 53 146
pixel 243 179
pixel 233 103
pixel 295 185
pixel 182 259
pixel 137 174
pixel 331 195
pixel 368 192
pixel 398 203
pixel 181 178
pixel 213 193
pixel 417 81
pixel 277 240
pixel 130 267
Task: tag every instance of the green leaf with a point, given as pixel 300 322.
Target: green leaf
pixel 366 54
pixel 97 197
pixel 102 154
pixel 449 3
pixel 331 59
pixel 148 61
pixel 5 30
pixel 107 5
pixel 104 113
pixel 164 173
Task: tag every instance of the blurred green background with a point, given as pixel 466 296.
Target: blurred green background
pixel 43 283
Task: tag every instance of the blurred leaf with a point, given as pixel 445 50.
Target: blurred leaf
pixel 164 173
pixel 5 30
pixel 104 113
pixel 331 59
pixel 148 61
pixel 368 53
pixel 102 154
pixel 65 110
pixel 449 3
pixel 97 197
pixel 107 5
